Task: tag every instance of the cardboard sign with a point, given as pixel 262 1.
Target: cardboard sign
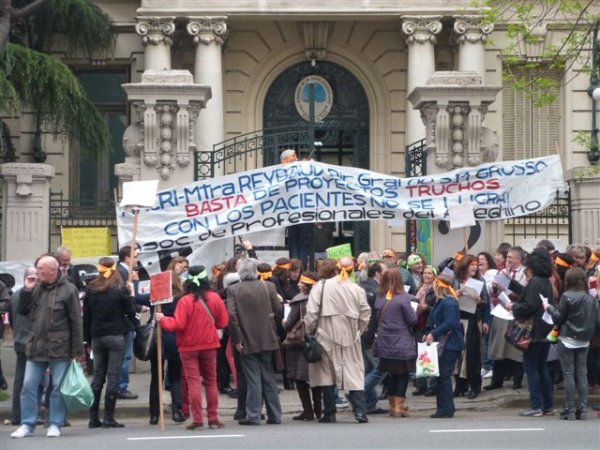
pixel 161 289
pixel 461 215
pixel 339 251
pixel 86 241
pixel 139 194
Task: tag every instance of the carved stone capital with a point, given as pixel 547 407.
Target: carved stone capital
pixel 421 29
pixel 155 30
pixel 208 29
pixel 471 29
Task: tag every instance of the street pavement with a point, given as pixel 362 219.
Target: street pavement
pixel 489 421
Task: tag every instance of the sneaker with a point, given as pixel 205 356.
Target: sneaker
pixel 126 395
pixel 532 413
pixel 341 403
pixel 550 412
pixel 21 432
pixel 53 431
pixel 488 374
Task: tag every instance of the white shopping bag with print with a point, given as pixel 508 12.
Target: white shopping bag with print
pixel 427 360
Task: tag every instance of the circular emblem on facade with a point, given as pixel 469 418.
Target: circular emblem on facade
pixel 323 97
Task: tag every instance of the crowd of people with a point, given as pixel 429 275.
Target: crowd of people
pixel 233 327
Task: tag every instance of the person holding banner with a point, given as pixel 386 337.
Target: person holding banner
pixel 198 316
pixel 106 304
pixel 448 332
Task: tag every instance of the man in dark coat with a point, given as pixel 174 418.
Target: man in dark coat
pixel 253 308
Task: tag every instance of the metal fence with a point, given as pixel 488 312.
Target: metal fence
pixel 415 160
pixel 68 212
pixel 554 222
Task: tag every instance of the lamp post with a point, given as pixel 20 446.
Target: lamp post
pixel 594 92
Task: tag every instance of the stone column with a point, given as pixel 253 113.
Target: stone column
pixel 472 34
pixel 210 33
pixel 585 205
pixel 156 35
pixel 421 34
pixel 25 215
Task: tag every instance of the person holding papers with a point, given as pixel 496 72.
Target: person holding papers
pixel 538 269
pixel 577 318
pixel 507 359
pixel 473 300
pixel 448 332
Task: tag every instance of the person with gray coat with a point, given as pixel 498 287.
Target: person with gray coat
pixel 253 308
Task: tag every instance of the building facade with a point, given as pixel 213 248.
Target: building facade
pixel 364 57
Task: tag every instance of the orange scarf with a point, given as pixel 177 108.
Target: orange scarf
pixel 447 286
pixel 264 276
pixel 106 271
pixel 306 280
pixel 344 271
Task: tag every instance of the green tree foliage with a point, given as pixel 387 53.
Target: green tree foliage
pixel 30 75
pixel 523 20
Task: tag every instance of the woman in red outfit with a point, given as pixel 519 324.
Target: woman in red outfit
pixel 197 317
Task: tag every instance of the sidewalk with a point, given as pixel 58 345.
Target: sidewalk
pixel 140 380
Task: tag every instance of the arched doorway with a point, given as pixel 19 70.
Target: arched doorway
pixel 341 128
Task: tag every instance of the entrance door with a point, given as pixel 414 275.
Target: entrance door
pixel 341 131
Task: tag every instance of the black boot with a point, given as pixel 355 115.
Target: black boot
pixel 329 409
pixel 317 398
pixel 307 413
pixel 517 375
pixel 94 420
pixel 357 398
pixel 110 400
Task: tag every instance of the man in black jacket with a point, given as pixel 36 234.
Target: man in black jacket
pixel 63 255
pixel 372 374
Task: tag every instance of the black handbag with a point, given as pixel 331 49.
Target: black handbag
pixel 144 343
pixel 311 347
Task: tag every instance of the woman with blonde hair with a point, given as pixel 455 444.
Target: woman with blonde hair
pixel 447 331
pixel 106 304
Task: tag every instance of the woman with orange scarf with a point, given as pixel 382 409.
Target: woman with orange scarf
pixel 105 306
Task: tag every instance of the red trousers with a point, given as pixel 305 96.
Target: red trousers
pixel 201 364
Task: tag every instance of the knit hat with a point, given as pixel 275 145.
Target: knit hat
pixel 412 260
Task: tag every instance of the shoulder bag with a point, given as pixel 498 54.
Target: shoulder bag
pixel 519 334
pixel 295 336
pixel 311 347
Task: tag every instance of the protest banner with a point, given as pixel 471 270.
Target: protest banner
pixel 309 191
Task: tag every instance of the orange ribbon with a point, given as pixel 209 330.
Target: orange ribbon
pixel 441 284
pixel 389 295
pixel 264 276
pixel 595 257
pixel 306 280
pixel 344 271
pixel 106 271
pixel 282 266
pixel 561 262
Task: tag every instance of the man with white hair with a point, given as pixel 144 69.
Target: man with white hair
pixel 52 304
pixel 300 236
pixel 253 308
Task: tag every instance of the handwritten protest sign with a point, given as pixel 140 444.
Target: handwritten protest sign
pixel 309 191
pixel 86 241
pixel 339 251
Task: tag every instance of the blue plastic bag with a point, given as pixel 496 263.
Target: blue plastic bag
pixel 75 389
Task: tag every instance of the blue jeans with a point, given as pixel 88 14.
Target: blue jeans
pixel 34 371
pixel 538 377
pixel 374 377
pixel 300 241
pixel 124 378
pixel 445 395
pixel 574 366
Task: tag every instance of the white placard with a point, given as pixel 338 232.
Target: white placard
pixel 139 194
pixel 414 305
pixel 502 280
pixel 475 284
pixel 448 272
pixel 461 215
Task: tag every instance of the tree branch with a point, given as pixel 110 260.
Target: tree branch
pixel 28 9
